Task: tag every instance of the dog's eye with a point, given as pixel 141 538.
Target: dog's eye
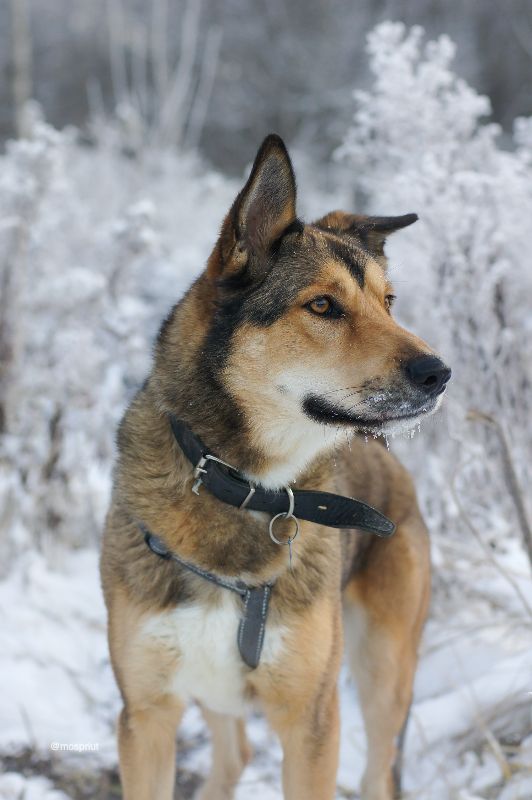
pixel 321 305
pixel 389 300
pixel 324 307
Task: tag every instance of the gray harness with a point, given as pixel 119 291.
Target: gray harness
pixel 256 600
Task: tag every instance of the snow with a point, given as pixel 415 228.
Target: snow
pixel 16 787
pixel 61 690
pixel 55 658
pixel 99 245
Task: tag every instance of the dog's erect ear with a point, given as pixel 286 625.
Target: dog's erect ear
pixel 369 232
pixel 265 207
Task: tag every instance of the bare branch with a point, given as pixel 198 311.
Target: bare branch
pixel 510 476
pixel 469 524
pixel 22 60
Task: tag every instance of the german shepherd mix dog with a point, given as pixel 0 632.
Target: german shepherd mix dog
pixel 284 344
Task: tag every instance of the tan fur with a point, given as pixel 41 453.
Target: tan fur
pixel 230 754
pixel 385 582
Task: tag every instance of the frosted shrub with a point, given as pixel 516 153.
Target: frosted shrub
pixel 419 143
pixel 96 247
pixel 62 389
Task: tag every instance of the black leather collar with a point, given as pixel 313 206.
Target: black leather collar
pixel 226 483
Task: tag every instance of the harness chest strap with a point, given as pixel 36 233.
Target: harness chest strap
pixel 256 601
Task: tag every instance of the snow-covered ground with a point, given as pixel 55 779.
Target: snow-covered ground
pixel 473 684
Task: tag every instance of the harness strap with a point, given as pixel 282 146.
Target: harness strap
pixel 256 601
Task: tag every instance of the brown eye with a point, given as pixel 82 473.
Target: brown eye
pixel 389 301
pixel 324 306
pixel 321 305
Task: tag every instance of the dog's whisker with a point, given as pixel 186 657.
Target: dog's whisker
pixel 345 389
pixel 351 394
pixel 355 405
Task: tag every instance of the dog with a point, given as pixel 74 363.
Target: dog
pixel 242 543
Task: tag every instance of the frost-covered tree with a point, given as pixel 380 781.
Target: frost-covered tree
pixel 419 142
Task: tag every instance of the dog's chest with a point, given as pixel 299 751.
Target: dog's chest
pixel 209 666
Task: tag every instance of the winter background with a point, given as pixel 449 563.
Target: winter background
pixel 119 120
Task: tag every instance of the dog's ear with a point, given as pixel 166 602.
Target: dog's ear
pixel 369 232
pixel 262 211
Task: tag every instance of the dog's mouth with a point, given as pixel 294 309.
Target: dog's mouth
pixel 400 416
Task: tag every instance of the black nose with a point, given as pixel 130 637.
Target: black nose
pixel 429 373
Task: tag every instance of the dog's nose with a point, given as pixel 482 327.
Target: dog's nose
pixel 428 373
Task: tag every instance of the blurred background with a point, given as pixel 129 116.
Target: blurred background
pixel 217 75
pixel 119 119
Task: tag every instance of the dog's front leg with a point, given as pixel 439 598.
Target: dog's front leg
pixel 310 739
pixel 230 754
pixel 147 749
pixel 299 696
pixel 385 607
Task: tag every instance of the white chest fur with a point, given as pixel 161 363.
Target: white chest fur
pixel 210 668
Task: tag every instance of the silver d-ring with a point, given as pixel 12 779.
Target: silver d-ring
pixel 285 516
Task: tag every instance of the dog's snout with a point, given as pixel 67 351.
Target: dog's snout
pixel 428 373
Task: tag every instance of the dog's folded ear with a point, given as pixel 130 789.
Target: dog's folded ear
pixel 262 211
pixel 370 232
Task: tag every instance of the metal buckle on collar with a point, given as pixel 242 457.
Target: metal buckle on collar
pixel 199 471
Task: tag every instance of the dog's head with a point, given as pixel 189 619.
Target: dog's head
pixel 303 336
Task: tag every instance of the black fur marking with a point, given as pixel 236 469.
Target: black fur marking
pixel 238 280
pixel 269 305
pixel 227 319
pixel 362 236
pixel 390 224
pixel 324 412
pixel 341 251
pixel 278 291
pixel 295 227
